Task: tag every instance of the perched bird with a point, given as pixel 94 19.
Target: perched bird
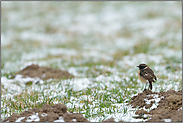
pixel 146 75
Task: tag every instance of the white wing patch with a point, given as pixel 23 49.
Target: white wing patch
pixel 146 74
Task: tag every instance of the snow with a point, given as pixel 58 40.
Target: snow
pixel 19 119
pixel 45 52
pixel 33 118
pixel 11 85
pixel 44 114
pixel 75 71
pixel 74 120
pixel 103 78
pixel 119 114
pixel 80 83
pixel 180 109
pixel 60 119
pixel 124 43
pixel 131 61
pixel 167 120
pixel 20 78
pixel 156 99
pixel 95 55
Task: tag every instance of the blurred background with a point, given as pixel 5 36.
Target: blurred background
pixel 90 31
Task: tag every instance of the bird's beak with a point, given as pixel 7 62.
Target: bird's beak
pixel 137 66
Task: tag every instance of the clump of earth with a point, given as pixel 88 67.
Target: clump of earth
pixel 167 107
pixel 44 72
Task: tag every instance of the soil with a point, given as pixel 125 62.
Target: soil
pixel 168 106
pixel 44 72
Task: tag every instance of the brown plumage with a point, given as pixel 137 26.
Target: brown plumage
pixel 146 75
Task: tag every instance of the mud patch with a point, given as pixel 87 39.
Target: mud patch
pixel 163 105
pixel 44 72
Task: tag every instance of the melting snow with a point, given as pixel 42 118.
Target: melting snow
pixel 19 119
pixel 60 119
pixel 74 120
pixel 180 109
pixel 44 114
pixel 80 83
pixel 33 118
pixel 167 120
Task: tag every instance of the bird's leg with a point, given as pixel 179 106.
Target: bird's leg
pixel 145 87
pixel 150 85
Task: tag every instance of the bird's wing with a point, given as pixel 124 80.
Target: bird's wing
pixel 150 71
pixel 148 74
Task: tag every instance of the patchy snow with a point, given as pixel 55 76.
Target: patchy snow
pixel 20 78
pixel 167 120
pixel 131 61
pixel 43 53
pixel 19 119
pixel 125 44
pixel 156 99
pixel 155 104
pixel 80 83
pixel 76 71
pixel 180 109
pixel 44 114
pixel 74 120
pixel 33 118
pixel 103 78
pixel 60 119
pixel 77 84
pixel 119 114
pixel 5 41
pixel 96 55
pixel 11 85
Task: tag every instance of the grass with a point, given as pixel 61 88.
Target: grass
pixel 92 58
pixel 101 101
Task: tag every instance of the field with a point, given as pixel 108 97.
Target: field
pixel 100 43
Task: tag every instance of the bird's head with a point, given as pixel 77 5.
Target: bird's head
pixel 142 66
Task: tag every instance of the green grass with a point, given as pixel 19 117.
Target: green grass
pixel 104 100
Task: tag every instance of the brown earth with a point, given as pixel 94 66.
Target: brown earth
pixel 44 72
pixel 168 106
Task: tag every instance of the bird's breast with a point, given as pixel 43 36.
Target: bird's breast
pixel 142 79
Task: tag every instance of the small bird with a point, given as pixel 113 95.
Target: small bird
pixel 146 75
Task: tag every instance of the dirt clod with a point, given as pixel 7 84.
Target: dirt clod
pixel 167 108
pixel 44 72
pixel 141 112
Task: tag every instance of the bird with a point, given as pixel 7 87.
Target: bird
pixel 146 75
